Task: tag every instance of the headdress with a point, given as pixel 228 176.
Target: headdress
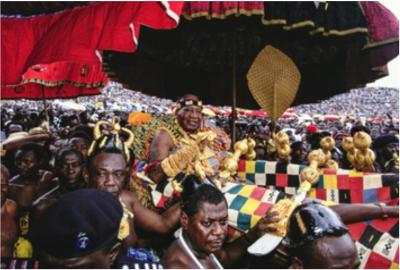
pixel 184 102
pixel 312 221
pixel 108 135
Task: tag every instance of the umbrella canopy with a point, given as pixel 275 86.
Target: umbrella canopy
pixel 59 55
pixel 335 45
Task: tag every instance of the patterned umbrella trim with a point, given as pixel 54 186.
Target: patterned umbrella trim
pixel 229 12
pixel 58 83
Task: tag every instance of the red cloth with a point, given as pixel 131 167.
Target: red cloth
pixel 383 26
pixel 311 129
pixel 65 48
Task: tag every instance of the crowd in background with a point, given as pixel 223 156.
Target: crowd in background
pixel 376 108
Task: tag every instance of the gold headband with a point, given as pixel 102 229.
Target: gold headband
pixel 188 102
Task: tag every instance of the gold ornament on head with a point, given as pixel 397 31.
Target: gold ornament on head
pixel 103 131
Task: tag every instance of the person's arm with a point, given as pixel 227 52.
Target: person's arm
pixel 39 209
pixel 232 252
pixel 13 209
pixel 160 146
pixel 159 149
pixel 148 220
pixel 17 143
pixel 351 213
pixel 171 164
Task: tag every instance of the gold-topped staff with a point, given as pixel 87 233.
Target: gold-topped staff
pixel 274 80
pixel 230 163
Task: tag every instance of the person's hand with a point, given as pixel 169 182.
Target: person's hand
pixel 263 226
pixel 219 143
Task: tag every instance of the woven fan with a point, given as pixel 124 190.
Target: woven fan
pixel 273 81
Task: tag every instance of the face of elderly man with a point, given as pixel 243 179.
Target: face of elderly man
pixel 190 117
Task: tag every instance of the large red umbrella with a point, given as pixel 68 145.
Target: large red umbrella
pixel 59 55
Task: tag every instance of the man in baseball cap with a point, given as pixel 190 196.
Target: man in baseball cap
pixel 83 229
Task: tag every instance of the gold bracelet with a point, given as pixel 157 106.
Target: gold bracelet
pixel 167 168
pixel 174 163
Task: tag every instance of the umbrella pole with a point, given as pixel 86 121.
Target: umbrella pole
pixel 234 112
pixel 44 103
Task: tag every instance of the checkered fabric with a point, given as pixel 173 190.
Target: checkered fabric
pixel 162 194
pixel 377 241
pixel 248 203
pixel 338 186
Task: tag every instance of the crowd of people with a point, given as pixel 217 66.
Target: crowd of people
pixel 343 104
pixel 73 187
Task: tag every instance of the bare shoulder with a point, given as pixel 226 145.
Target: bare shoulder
pixel 11 206
pixel 162 136
pixel 129 198
pixel 44 204
pixel 161 145
pixel 175 258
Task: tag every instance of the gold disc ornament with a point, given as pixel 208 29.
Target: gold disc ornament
pixel 273 80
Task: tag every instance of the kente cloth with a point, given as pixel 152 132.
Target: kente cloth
pixel 377 243
pixel 338 186
pixel 376 240
pixel 334 186
pixel 61 53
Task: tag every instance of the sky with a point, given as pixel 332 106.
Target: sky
pixel 393 80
